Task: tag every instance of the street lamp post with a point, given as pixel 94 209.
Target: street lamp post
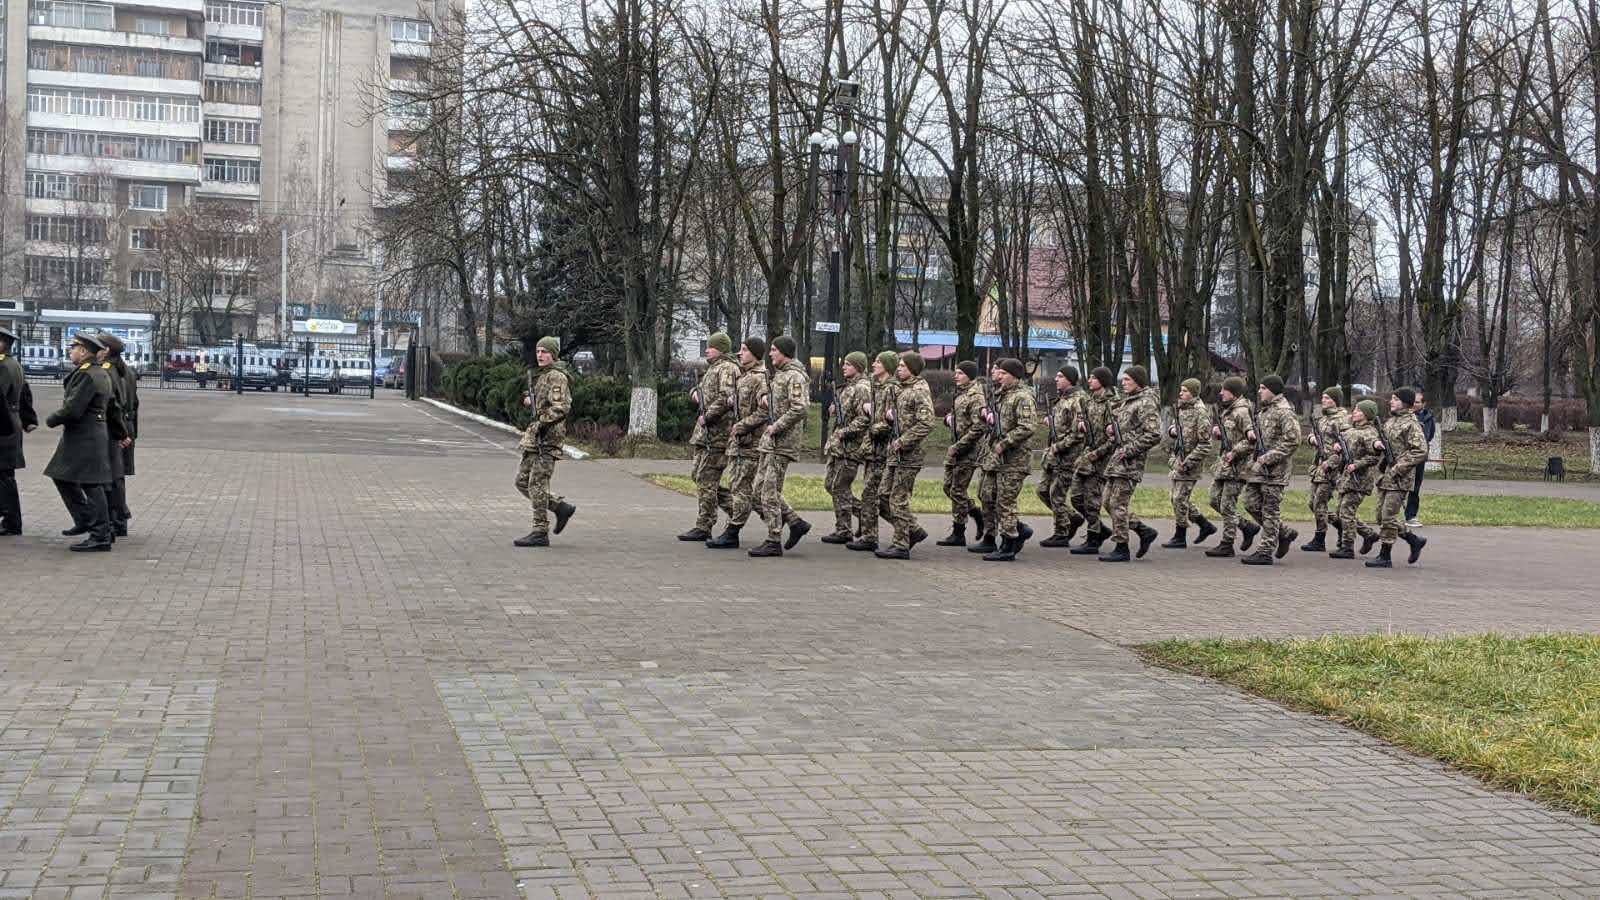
pixel 843 183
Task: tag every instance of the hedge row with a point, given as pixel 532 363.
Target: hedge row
pixel 493 386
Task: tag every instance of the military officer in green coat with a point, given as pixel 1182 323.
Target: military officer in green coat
pixel 81 466
pixel 16 420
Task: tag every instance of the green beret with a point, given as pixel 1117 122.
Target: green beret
pixel 856 360
pixel 552 344
pixel 1273 383
pixel 1368 409
pixel 1192 385
pixel 888 359
pixel 721 342
pixel 913 361
pixel 1139 374
pixel 1336 394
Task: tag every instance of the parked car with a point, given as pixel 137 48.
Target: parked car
pixel 355 373
pixel 179 365
pixel 256 371
pixel 43 361
pixel 317 375
pixel 396 376
pixel 381 369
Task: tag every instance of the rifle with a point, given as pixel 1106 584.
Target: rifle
pixel 1177 434
pixel 533 410
pixel 1388 454
pixel 1345 458
pixel 988 404
pixel 838 410
pixel 772 403
pixel 1260 443
pixel 1049 412
pixel 1322 452
pixel 1222 432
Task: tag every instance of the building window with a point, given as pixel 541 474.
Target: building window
pixel 111 146
pixel 152 197
pixel 411 30
pixel 233 171
pixel 67 229
pixel 144 237
pixel 231 53
pixel 59 14
pixel 112 61
pixel 147 25
pixel 229 285
pixel 107 105
pixel 233 131
pixel 145 280
pixel 59 186
pixel 226 12
pixel 242 93
pixel 63 270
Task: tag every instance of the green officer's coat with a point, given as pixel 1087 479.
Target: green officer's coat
pixel 81 455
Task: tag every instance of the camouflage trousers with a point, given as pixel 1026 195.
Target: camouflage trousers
pixel 1088 492
pixel 1055 491
pixel 900 482
pixel 957 483
pixel 709 464
pixel 1183 511
pixel 1350 524
pixel 1321 493
pixel 770 505
pixel 1225 500
pixel 533 482
pixel 999 491
pixel 1391 515
pixel 846 508
pixel 1264 503
pixel 1119 504
pixel 739 498
pixel 874 500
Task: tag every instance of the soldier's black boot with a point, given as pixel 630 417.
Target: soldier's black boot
pixel 1058 539
pixel 563 511
pixel 1147 536
pixel 862 544
pixel 1286 537
pixel 956 538
pixel 1179 540
pixel 984 545
pixel 767 548
pixel 1416 542
pixel 532 539
pixel 1091 544
pixel 727 540
pixel 918 535
pixel 1262 557
pixel 797 530
pixel 1024 535
pixel 1006 552
pixel 1381 561
pixel 1118 553
pixel 1317 544
pixel 838 537
pixel 1223 550
pixel 977 519
pixel 1249 530
pixel 1343 553
pixel 1367 541
pixel 695 534
pixel 1206 529
pixel 892 553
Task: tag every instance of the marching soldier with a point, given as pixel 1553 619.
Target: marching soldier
pixel 715 395
pixel 1276 435
pixel 1135 429
pixel 1357 453
pixel 1407 449
pixel 845 451
pixel 1006 467
pixel 912 421
pixel 1233 431
pixel 738 498
pixel 125 396
pixel 1328 426
pixel 966 449
pixel 787 399
pixel 81 467
pixel 1088 479
pixel 874 494
pixel 1191 444
pixel 16 419
pixel 549 399
pixel 1061 458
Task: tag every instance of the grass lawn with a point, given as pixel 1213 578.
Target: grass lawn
pixel 1519 713
pixel 806 492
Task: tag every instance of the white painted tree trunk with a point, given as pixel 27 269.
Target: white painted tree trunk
pixel 1449 418
pixel 1594 450
pixel 1435 451
pixel 1544 423
pixel 1491 420
pixel 642 412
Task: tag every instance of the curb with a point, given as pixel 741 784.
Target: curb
pixel 570 451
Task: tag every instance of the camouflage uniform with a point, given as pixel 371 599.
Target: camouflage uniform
pixel 1409 449
pixel 874 494
pixel 1268 476
pixel 1088 477
pixel 1365 454
pixel 1332 425
pixel 738 498
pixel 710 440
pixel 966 450
pixel 1228 478
pixel 846 451
pixel 541 443
pixel 1194 423
pixel 1061 458
pixel 912 423
pixel 788 397
pixel 1006 467
pixel 1138 421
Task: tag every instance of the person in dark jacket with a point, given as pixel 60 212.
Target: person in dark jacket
pixel 81 466
pixel 1429 426
pixel 16 419
pixel 125 391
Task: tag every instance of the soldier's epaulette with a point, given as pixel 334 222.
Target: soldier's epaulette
pixel 83 367
pixel 106 366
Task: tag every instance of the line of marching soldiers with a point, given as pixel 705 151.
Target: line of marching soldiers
pixel 98 419
pixel 751 427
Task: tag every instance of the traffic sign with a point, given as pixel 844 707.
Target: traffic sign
pixel 828 327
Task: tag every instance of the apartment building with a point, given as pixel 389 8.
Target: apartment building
pixel 116 115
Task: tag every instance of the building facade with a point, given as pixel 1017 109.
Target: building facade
pixel 238 117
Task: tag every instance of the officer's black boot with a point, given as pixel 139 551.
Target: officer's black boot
pixel 91 544
pixel 727 540
pixel 766 548
pixel 1416 542
pixel 695 534
pixel 1223 550
pixel 1367 541
pixel 532 539
pixel 563 511
pixel 798 529
pixel 1286 537
pixel 1119 553
pixel 1147 536
pixel 1206 529
pixel 984 545
pixel 1381 561
pixel 1317 544
pixel 1179 540
pixel 956 538
pixel 1249 530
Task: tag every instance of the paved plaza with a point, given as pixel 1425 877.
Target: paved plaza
pixel 318 668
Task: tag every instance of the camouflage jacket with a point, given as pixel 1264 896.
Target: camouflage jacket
pixel 1280 436
pixel 1236 429
pixel 552 400
pixel 1193 421
pixel 970 432
pixel 1138 420
pixel 716 394
pixel 850 420
pixel 1068 411
pixel 1403 433
pixel 788 399
pixel 1096 446
pixel 912 423
pixel 879 430
pixel 1018 420
pixel 1365 455
pixel 745 432
pixel 1331 424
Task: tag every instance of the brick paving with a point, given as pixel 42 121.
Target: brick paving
pixel 319 669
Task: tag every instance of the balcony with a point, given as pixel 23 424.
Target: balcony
pixel 248 33
pixel 40 206
pixel 192 7
pixel 96 38
pixel 96 250
pixel 233 72
pixel 132 84
pixel 134 169
pixel 231 111
pixel 187 131
pixel 412 49
pixel 238 151
pixel 229 190
pixel 400 162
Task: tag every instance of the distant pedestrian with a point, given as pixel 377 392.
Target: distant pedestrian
pixel 1429 426
pixel 16 419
